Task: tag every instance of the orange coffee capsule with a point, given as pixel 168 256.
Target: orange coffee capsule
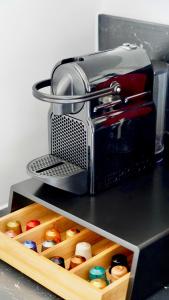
pixel 118 271
pixel 76 261
pixel 53 235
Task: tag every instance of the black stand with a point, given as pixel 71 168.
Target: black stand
pixel 135 215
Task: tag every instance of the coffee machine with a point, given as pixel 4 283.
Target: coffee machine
pixel 102 120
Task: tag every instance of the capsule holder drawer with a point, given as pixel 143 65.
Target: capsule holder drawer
pixel 69 284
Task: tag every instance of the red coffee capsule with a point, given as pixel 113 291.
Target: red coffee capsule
pixel 32 224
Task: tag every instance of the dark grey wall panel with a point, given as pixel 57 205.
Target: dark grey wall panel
pixel 113 31
pixel 154 37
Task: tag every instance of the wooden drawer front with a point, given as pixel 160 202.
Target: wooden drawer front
pixel 73 284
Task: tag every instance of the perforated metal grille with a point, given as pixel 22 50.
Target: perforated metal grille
pixel 69 140
pixel 49 162
pixel 43 162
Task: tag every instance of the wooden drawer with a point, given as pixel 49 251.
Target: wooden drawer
pixel 71 284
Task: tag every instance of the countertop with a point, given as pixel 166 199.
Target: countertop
pixel 16 286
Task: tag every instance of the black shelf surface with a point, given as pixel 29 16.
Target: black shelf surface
pixel 136 211
pixel 134 214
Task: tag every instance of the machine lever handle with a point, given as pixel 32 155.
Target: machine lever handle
pixel 67 99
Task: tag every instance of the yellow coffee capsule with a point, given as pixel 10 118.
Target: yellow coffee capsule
pixel 71 232
pixel 14 226
pixel 99 283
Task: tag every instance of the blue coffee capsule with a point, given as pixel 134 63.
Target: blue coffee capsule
pixel 31 245
pixel 97 272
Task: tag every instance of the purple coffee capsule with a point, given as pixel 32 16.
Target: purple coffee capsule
pixel 58 260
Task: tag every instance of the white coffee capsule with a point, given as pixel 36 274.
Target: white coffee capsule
pixel 84 249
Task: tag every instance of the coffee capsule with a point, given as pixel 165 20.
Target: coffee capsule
pixel 100 283
pixel 32 224
pixel 14 226
pixel 84 249
pixel 53 235
pixel 118 271
pixel 108 275
pixel 31 245
pixel 48 244
pixel 58 260
pixel 11 233
pixel 76 261
pixel 119 259
pixel 97 272
pixel 71 232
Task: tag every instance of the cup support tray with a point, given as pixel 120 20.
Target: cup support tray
pixel 59 173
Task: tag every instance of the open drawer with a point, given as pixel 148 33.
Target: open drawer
pixel 73 284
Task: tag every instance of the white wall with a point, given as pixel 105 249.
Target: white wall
pixel 34 35
pixel 148 10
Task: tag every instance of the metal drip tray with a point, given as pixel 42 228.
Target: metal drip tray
pixel 59 173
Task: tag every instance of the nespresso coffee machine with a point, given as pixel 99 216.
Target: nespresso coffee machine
pixel 102 120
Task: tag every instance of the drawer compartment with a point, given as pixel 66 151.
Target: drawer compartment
pixel 67 248
pixel 69 284
pixel 37 234
pixel 30 212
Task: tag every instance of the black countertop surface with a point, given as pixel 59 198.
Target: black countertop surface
pixel 16 286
